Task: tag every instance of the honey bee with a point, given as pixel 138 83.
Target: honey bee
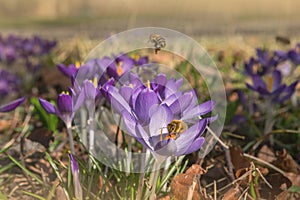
pixel 174 128
pixel 158 41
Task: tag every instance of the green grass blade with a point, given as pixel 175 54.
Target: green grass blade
pixel 54 166
pixel 6 167
pixel 27 171
pixel 34 195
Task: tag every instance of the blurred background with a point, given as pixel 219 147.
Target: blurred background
pixel 99 18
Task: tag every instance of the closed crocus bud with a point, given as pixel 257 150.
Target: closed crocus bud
pixel 12 105
pixel 75 177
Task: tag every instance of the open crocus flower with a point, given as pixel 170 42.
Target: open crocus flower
pixel 264 62
pixel 162 118
pixel 123 63
pixel 12 105
pixel 272 88
pixel 66 107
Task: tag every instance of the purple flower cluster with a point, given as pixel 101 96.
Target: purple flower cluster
pixel 24 51
pixel 106 67
pixel 146 109
pixel 266 71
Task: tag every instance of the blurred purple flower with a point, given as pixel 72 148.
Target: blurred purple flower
pixel 147 111
pixel 12 105
pixel 7 53
pixel 9 83
pixel 272 87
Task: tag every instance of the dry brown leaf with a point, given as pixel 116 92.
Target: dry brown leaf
pixel 294 178
pixel 164 198
pixel 195 169
pixel 180 187
pixel 266 154
pixel 237 158
pixel 182 182
pixel 286 162
pixel 232 194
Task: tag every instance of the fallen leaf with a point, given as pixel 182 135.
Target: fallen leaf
pixel 294 178
pixel 182 183
pixel 266 154
pixel 286 162
pixel 195 169
pixel 180 187
pixel 237 158
pixel 232 194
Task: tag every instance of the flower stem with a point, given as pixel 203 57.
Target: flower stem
pixel 269 120
pixel 69 129
pixel 153 179
pixel 142 176
pixel 91 135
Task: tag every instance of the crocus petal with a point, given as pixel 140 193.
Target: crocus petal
pixel 159 118
pixel 126 92
pixel 48 106
pixel 195 146
pixel 181 103
pixel 76 180
pixel 117 101
pixel 64 103
pixel 276 79
pixel 142 136
pixel 201 109
pixel 90 90
pixel 166 148
pixel 145 100
pixel 67 71
pixel 186 138
pixel 79 100
pixel 288 92
pixel 258 82
pixel 12 105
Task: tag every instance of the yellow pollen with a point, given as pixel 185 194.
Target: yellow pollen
pixel 119 69
pixel 148 84
pixel 160 137
pixel 135 57
pixel 65 92
pixel 77 64
pixel 130 85
pixel 95 82
pixel 270 83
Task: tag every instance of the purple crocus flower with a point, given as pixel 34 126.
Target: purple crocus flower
pixel 75 177
pixel 123 63
pixel 294 55
pixel 272 87
pixel 69 70
pixel 148 110
pixel 67 105
pixel 12 105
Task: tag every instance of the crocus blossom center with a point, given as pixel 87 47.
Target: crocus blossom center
pixel 119 69
pixel 65 92
pixel 270 83
pixel 77 64
pixel 95 82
